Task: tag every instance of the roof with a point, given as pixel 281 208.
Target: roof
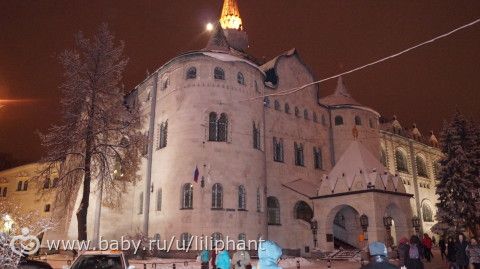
pixel 340 96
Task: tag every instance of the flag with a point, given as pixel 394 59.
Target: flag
pixel 196 174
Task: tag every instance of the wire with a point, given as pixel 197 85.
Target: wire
pixel 290 91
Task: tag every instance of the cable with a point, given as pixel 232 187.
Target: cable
pixel 290 91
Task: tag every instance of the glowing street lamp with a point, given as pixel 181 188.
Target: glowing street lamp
pixel 7 223
pixel 209 27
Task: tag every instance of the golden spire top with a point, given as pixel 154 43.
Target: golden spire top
pixel 230 18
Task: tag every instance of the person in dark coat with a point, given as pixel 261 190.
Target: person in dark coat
pixel 451 251
pixel 427 247
pixel 461 258
pixel 415 254
pixel 379 257
pixel 443 248
pixel 402 251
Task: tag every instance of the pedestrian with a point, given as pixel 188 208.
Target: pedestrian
pixel 213 260
pixel 427 247
pixel 434 241
pixel 204 258
pixel 402 251
pixel 223 260
pixel 269 254
pixel 241 259
pixel 451 252
pixel 473 251
pixel 443 248
pixel 378 257
pixel 461 258
pixel 415 256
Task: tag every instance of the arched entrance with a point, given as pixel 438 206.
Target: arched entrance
pixel 344 225
pixel 399 226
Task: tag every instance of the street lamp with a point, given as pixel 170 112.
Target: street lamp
pixel 416 223
pixel 314 227
pixel 364 222
pixel 387 222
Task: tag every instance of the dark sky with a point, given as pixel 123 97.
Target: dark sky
pixel 424 86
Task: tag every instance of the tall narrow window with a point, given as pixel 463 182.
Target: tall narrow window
pixel 159 199
pixel 47 208
pixel 19 186
pixel 259 200
pixel 277 105
pixel 305 114
pixel 242 202
pixel 242 238
pixel 256 136
pixel 162 135
pixel 192 73
pixel 358 120
pixel 317 158
pixel 25 185
pixel 427 213
pixel 266 101
pixel 217 196
pixel 338 120
pixel 185 240
pixel 299 161
pixel 401 160
pixel 383 157
pixel 4 194
pixel 273 211
pixel 55 182
pixel 287 108
pixel 216 238
pixel 297 112
pixel 314 117
pixel 218 73
pixel 222 127
pixel 421 166
pixel 277 149
pixel 187 196
pixel 240 78
pixel 212 126
pixel 46 183
pixel 140 203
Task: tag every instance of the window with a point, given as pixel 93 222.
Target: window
pixel 185 239
pixel 140 203
pixel 277 105
pixel 401 160
pixel 421 166
pixel 242 202
pixel 436 169
pixel 216 238
pixel 427 213
pixel 358 121
pixel 4 192
pixel 25 185
pixel 383 157
pixel 19 185
pixel 46 183
pixel 218 128
pixel 218 73
pixel 259 200
pixel 217 196
pixel 297 112
pixel 299 161
pixel 287 108
pixel 47 208
pixel 278 149
pixel 370 123
pixel 192 73
pixel 187 196
pixel 162 135
pixel 314 116
pixel 159 199
pixel 166 82
pixel 305 114
pixel 266 101
pixel 242 238
pixel 338 120
pixel 273 211
pixel 303 211
pixel 55 182
pixel 317 158
pixel 256 136
pixel 240 78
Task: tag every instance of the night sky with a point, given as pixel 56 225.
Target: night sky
pixel 424 86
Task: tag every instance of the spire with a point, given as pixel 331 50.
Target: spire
pixel 230 18
pixel 341 89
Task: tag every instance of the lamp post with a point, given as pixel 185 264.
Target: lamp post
pixel 387 222
pixel 416 224
pixel 364 224
pixel 314 227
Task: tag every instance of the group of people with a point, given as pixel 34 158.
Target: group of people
pixel 459 253
pixel 269 254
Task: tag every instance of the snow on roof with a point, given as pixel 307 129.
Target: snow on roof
pixel 340 96
pixel 226 57
pixel 271 64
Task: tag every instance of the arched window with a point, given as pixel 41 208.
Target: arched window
pixel 358 120
pixel 287 108
pixel 427 213
pixel 277 105
pixel 242 202
pixel 185 239
pixel 25 185
pixel 46 183
pixel 278 149
pixel 401 160
pixel 256 136
pixel 218 73
pixel 305 114
pixel 299 159
pixel 192 73
pixel 314 116
pixel 317 158
pixel 297 112
pixel 217 196
pixel 159 200
pixel 216 238
pixel 222 127
pixel 421 166
pixel 140 203
pixel 19 185
pixel 259 200
pixel 187 196
pixel 383 157
pixel 338 120
pixel 273 211
pixel 266 101
pixel 303 211
pixel 240 78
pixel 212 126
pixel 162 135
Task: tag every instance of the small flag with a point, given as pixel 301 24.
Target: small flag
pixel 196 174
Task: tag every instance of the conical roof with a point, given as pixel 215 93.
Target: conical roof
pixel 230 18
pixel 340 96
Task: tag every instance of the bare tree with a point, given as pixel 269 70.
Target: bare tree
pixel 99 138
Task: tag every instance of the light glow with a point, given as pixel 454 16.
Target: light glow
pixel 209 27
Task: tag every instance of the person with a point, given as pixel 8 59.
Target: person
pixel 378 257
pixel 443 248
pixel 402 251
pixel 241 259
pixel 461 258
pixel 415 254
pixel 473 251
pixel 434 241
pixel 451 252
pixel 427 247
pixel 223 260
pixel 214 257
pixel 204 258
pixel 269 254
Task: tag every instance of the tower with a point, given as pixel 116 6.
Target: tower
pixel 232 26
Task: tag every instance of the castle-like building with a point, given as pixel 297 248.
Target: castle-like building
pixel 233 152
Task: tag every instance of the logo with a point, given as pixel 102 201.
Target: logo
pixel 24 244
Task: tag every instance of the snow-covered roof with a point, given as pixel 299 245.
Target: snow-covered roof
pixel 226 57
pixel 340 96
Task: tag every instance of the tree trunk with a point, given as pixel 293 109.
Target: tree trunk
pixel 83 208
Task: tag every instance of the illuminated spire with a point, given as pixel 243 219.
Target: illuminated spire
pixel 230 18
